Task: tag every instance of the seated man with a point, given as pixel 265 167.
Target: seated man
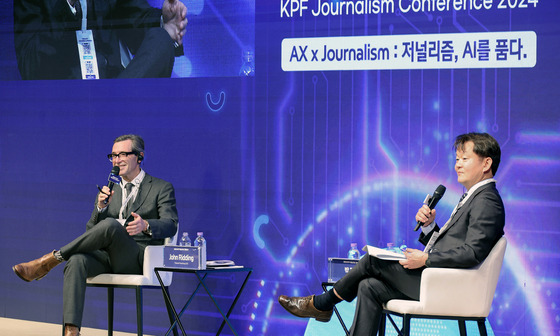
pixel 140 211
pixel 467 238
pixel 47 35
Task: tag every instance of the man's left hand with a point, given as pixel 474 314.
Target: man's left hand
pixel 175 19
pixel 414 259
pixel 137 225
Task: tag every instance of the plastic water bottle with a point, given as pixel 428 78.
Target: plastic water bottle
pixel 248 67
pixel 353 253
pixel 185 240
pixel 200 241
pixel 403 247
pixel 391 247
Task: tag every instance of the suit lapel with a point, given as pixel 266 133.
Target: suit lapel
pixel 457 215
pixel 461 211
pixel 143 192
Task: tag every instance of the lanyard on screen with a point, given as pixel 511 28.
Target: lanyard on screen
pixel 86 48
pixel 83 3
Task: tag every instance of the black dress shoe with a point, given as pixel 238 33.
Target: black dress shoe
pixel 303 307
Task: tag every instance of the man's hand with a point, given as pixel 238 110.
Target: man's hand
pixel 425 215
pixel 105 193
pixel 414 259
pixel 137 225
pixel 175 19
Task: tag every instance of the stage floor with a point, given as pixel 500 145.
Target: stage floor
pixel 31 328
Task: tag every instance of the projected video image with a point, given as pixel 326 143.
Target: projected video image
pixel 127 39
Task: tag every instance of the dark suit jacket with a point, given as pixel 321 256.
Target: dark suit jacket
pixel 155 203
pixel 473 231
pixel 45 35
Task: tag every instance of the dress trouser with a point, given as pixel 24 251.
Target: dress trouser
pixel 374 282
pixel 105 248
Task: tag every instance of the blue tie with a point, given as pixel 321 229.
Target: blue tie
pixel 461 199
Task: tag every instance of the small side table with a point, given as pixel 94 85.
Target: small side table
pixel 201 275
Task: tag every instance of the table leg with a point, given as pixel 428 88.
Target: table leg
pixel 234 301
pixel 216 304
pixel 192 296
pixel 201 282
pixel 168 300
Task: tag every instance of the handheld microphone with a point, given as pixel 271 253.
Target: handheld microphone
pixel 434 199
pixel 113 178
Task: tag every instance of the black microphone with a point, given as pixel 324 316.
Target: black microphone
pixel 113 178
pixel 434 199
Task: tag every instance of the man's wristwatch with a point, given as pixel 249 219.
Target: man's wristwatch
pixel 148 230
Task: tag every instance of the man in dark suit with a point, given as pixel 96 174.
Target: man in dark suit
pixel 140 211
pixel 476 224
pixel 45 34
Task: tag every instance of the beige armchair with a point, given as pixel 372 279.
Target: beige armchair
pixel 153 257
pixel 451 294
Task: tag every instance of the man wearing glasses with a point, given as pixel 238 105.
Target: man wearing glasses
pixel 139 211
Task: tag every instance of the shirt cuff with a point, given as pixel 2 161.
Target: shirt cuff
pixel 427 229
pixel 72 8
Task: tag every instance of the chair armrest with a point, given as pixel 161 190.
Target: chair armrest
pixel 153 257
pixel 463 291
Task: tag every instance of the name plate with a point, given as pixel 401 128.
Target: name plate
pixel 184 257
pixel 338 267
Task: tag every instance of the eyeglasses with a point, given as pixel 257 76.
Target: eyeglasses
pixel 121 155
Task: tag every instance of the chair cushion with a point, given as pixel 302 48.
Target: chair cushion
pixel 127 280
pixel 405 307
pixel 153 257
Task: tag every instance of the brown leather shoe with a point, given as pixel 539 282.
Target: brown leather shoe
pixel 303 307
pixel 36 269
pixel 71 330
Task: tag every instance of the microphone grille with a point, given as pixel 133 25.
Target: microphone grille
pixel 440 189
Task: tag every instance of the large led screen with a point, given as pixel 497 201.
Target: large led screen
pixel 291 129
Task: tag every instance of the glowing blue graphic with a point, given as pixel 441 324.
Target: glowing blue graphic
pixel 349 156
pixel 261 220
pixel 217 105
pixel 513 259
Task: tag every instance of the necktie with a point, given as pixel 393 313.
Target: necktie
pixel 462 198
pixel 128 188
